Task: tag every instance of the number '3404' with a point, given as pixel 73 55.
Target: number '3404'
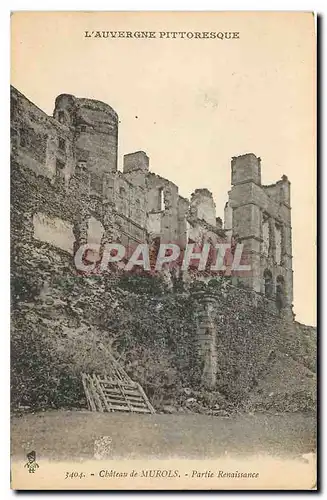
pixel 72 475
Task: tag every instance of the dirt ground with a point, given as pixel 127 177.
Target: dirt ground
pixel 71 435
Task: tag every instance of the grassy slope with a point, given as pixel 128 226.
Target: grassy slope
pixel 71 434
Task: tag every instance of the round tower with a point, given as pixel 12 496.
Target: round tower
pixel 96 131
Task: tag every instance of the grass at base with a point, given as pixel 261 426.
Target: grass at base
pixel 62 434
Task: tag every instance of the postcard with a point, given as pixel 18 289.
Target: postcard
pixel 163 251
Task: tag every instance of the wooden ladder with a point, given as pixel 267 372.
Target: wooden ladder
pixel 109 394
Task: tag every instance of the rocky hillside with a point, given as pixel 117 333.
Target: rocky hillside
pixel 60 320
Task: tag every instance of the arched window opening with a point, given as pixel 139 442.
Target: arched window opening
pixel 123 200
pixel 138 212
pixel 280 292
pixel 161 205
pixel 61 117
pixel 153 251
pixel 278 243
pixel 267 276
pixel 265 236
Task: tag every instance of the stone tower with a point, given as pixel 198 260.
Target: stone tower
pixel 260 218
pixel 95 138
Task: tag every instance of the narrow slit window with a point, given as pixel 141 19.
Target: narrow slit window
pixel 62 144
pixel 61 117
pixel 161 200
pixel 268 281
pixel 23 138
pixel 59 167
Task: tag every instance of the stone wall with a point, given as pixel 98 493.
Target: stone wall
pixel 55 231
pixel 220 339
pixel 76 150
pixel 39 142
pixel 66 191
pixel 261 220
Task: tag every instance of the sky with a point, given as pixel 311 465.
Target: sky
pixel 192 104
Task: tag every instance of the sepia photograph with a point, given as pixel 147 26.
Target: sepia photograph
pixel 163 251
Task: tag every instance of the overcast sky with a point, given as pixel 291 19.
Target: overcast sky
pixel 192 104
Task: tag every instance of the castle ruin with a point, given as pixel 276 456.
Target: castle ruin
pixel 75 153
pixel 67 191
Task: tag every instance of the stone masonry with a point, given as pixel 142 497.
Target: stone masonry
pixel 70 159
pixel 76 150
